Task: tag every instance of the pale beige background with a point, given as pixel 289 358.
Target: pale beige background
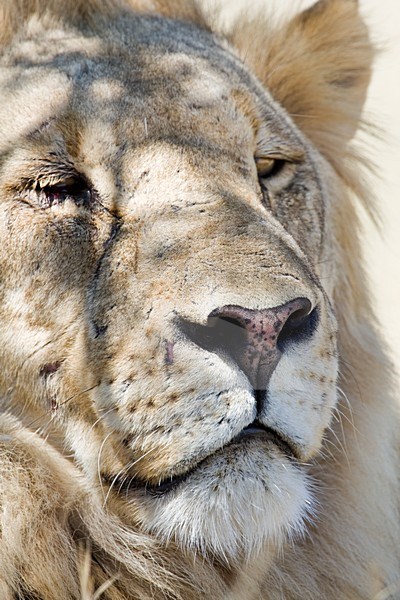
pixel 382 250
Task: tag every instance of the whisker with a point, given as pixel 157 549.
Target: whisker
pixel 125 469
pixel 89 389
pixel 327 453
pixel 337 412
pixel 99 461
pixel 349 368
pixel 101 417
pixel 112 484
pixel 342 446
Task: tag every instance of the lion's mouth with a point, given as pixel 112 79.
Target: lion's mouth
pixel 254 431
pixel 257 430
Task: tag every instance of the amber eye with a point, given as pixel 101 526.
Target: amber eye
pixel 71 188
pixel 268 166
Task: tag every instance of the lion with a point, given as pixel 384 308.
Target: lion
pixel 195 398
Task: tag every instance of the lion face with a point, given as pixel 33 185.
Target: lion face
pixel 164 267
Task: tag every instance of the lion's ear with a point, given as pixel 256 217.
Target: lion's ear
pixel 317 66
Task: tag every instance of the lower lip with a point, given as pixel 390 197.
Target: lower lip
pixel 267 435
pixel 252 430
pixel 249 433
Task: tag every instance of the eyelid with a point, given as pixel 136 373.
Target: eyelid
pixel 43 181
pixel 279 148
pixel 52 182
pixel 295 156
pixel 39 172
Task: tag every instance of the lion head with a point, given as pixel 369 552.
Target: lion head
pixel 169 258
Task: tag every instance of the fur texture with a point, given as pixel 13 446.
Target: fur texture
pixel 158 181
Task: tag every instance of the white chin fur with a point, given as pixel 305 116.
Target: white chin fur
pixel 234 504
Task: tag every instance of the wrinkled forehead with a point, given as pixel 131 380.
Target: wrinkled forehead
pixel 138 76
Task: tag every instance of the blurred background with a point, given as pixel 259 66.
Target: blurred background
pixel 382 249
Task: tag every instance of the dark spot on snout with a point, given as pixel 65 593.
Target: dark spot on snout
pixel 49 368
pixel 169 352
pixel 99 330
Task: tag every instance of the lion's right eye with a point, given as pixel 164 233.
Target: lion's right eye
pixel 71 188
pixel 268 166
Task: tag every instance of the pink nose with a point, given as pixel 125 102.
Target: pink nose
pixel 256 339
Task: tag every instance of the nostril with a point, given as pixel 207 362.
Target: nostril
pixel 222 335
pixel 299 326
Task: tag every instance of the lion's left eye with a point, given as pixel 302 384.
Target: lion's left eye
pixel 268 166
pixel 72 188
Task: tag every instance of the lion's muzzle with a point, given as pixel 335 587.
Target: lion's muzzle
pixel 255 339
